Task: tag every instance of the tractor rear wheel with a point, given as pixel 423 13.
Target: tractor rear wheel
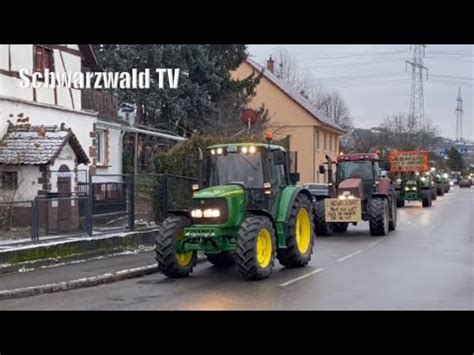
pixel 426 198
pixel 299 234
pixel 446 188
pixel 322 228
pixel 256 248
pixel 340 227
pixel 378 216
pixel 434 194
pixel 222 259
pixel 170 262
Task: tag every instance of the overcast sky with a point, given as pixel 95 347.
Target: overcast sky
pixel 373 81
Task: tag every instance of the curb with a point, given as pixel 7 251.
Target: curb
pixel 84 282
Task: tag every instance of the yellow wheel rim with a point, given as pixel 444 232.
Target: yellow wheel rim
pixel 264 248
pixel 183 259
pixel 303 231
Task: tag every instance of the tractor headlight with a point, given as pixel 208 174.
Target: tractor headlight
pixel 341 197
pixel 423 179
pixel 399 181
pixel 445 175
pixel 413 188
pixel 451 183
pixel 252 149
pixel 211 213
pixel 197 213
pixel 407 189
pixel 244 150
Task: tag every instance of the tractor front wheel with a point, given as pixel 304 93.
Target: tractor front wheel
pixel 340 227
pixel 426 198
pixel 378 216
pixel 222 259
pixel 256 248
pixel 400 200
pixel 434 194
pixel 171 262
pixel 299 234
pixel 322 228
pixel 440 189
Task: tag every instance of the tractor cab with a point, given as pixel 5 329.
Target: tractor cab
pixel 358 166
pixel 260 170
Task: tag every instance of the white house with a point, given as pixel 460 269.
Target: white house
pixel 89 115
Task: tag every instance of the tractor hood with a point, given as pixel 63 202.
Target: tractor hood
pixel 223 191
pixel 353 185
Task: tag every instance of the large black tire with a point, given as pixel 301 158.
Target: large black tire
pixel 378 216
pixel 246 255
pixel 440 189
pixel 222 259
pixel 322 228
pixel 426 198
pixel 400 200
pixel 340 227
pixel 446 188
pixel 299 243
pixel 434 194
pixel 392 224
pixel 169 262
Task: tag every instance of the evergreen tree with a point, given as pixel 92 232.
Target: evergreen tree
pixel 207 100
pixel 455 160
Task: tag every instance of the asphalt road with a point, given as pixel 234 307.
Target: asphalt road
pixel 426 264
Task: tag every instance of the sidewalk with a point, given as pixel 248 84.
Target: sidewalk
pixel 77 269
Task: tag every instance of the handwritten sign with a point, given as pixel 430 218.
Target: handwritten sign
pixel 409 160
pixel 343 210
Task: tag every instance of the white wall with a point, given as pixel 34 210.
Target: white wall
pixel 27 182
pixel 22 58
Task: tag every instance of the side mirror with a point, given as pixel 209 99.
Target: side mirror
pixel 279 157
pixel 294 178
pixel 322 169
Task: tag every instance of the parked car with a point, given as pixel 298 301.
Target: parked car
pixel 465 182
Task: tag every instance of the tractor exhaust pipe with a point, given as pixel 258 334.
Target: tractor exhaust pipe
pixel 330 179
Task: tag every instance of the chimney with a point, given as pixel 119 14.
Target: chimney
pixel 270 64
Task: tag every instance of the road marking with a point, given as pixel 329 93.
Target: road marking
pixel 349 256
pixel 375 243
pixel 301 277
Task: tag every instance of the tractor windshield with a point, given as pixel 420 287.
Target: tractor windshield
pixel 355 169
pixel 237 167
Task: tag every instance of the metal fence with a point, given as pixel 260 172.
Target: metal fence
pixel 100 204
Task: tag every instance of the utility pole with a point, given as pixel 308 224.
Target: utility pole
pixel 417 106
pixel 459 113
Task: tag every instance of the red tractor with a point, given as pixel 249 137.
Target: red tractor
pixel 361 193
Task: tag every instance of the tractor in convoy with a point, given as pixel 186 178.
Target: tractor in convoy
pixel 247 210
pixel 413 186
pixel 360 193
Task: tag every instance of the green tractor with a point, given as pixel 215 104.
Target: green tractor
pixel 411 186
pixel 247 210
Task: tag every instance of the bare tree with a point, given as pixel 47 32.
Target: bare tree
pixel 401 132
pixel 330 104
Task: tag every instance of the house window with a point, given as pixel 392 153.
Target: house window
pixel 43 59
pixel 9 180
pixel 101 147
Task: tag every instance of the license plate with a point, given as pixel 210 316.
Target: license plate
pixel 347 210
